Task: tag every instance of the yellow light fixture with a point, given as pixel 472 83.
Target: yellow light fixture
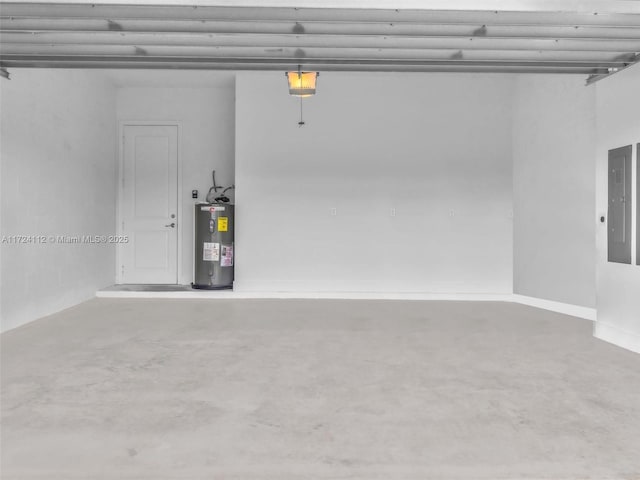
pixel 302 84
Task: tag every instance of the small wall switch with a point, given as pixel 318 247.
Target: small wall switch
pixel 451 213
pixel 393 212
pixel 334 212
pixel 194 193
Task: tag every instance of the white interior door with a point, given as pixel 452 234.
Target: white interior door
pixel 149 207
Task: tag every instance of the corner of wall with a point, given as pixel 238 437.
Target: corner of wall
pixel 617 336
pixel 618 125
pixel 553 183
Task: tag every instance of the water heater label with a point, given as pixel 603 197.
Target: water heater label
pixel 211 252
pixel 222 224
pixel 207 208
pixel 227 256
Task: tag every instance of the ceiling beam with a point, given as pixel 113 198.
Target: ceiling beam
pixel 306 63
pixel 583 6
pixel 354 67
pixel 288 28
pixel 24 10
pixel 302 41
pixel 311 54
pixel 384 39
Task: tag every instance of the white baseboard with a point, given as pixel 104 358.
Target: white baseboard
pixel 559 307
pixel 466 297
pixel 167 295
pixel 617 336
pixel 471 297
pixel 564 308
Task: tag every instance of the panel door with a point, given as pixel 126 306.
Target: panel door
pixel 149 204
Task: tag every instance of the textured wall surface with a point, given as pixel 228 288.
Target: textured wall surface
pixel 58 179
pixel 435 150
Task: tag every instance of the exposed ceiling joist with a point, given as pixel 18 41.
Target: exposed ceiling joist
pixel 329 15
pixel 186 36
pixel 581 6
pixel 325 29
pixel 606 59
pixel 115 63
pixel 11 39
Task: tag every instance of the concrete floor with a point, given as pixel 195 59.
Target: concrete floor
pixel 304 389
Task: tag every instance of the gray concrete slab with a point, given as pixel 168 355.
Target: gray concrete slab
pixel 316 389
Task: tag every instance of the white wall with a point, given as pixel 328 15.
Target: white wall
pixel 58 178
pixel 618 285
pixel 554 189
pixel 424 145
pixel 429 146
pixel 206 117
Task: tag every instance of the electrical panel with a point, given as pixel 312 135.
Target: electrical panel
pixel 619 223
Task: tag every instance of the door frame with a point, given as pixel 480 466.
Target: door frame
pixel 120 183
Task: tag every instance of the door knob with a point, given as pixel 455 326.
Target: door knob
pixel 172 225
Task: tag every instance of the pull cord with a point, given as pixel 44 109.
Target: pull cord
pixel 301 122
